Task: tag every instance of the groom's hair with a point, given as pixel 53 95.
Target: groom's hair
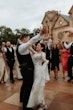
pixel 23 36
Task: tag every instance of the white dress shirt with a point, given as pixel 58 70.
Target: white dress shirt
pixel 67 46
pixel 23 48
pixel 49 43
pixel 10 49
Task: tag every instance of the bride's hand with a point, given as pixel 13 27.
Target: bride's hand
pixel 42 31
pixel 47 61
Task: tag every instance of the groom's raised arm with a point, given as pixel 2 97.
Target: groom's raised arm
pixel 26 45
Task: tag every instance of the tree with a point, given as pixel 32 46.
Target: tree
pixel 17 32
pixel 25 31
pixel 36 31
pixel 6 34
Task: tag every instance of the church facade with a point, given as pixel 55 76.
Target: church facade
pixel 55 23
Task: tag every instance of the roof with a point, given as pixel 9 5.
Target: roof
pixel 71 10
pixel 66 17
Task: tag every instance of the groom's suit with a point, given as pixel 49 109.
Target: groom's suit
pixel 26 68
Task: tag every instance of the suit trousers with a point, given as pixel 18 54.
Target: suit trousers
pixel 26 85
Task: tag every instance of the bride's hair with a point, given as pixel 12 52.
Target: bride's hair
pixel 43 46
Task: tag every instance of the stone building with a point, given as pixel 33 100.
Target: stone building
pixel 55 23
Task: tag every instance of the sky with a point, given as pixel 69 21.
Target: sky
pixel 29 14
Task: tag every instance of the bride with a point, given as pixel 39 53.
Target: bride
pixel 41 75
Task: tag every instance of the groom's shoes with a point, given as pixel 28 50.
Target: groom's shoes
pixel 12 81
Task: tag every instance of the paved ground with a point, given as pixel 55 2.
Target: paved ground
pixel 58 94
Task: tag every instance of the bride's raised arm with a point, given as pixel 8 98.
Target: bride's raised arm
pixel 32 50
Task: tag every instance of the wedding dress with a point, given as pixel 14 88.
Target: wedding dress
pixel 41 75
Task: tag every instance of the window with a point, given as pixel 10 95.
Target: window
pixel 46 21
pixel 60 22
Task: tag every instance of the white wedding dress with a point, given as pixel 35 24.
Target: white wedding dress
pixel 41 75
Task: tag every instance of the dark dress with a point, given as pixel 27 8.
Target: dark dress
pixel 55 58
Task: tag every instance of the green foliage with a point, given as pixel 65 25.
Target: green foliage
pixel 36 31
pixel 7 34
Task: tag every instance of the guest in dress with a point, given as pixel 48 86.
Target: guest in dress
pixel 55 60
pixel 64 59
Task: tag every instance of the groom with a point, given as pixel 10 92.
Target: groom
pixel 26 65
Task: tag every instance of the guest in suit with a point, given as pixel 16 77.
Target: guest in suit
pixel 10 59
pixel 48 51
